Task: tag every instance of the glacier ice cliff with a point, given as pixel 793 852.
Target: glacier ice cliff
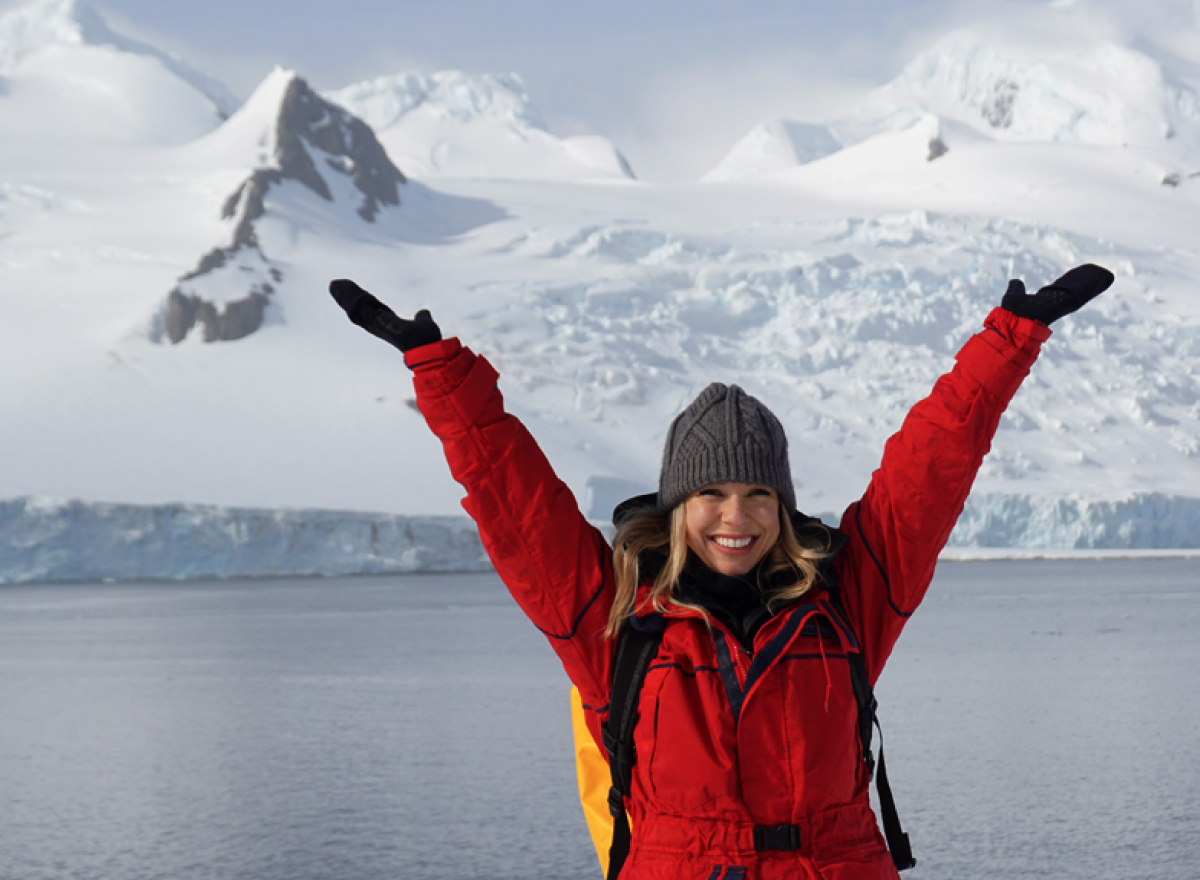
pixel 46 540
pixel 1142 521
pixel 42 540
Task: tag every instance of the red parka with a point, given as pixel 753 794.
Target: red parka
pixel 731 739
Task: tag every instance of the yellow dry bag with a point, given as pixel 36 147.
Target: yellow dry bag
pixel 595 780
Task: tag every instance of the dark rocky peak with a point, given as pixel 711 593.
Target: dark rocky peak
pixel 295 135
pixel 301 123
pixel 345 143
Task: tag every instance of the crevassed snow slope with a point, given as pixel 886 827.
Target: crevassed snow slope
pixel 836 291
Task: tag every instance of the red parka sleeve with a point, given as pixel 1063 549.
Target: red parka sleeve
pixel 903 521
pixel 557 566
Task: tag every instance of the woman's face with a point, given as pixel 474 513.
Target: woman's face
pixel 731 526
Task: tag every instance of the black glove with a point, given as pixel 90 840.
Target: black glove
pixel 1081 284
pixel 376 318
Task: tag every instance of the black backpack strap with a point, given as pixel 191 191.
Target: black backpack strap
pixel 867 704
pixel 618 850
pixel 897 840
pixel 637 646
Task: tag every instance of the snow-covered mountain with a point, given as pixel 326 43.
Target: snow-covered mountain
pixel 66 74
pixel 774 146
pixel 980 87
pixel 831 270
pixel 1104 93
pixel 452 124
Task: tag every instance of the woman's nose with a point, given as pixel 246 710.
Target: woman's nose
pixel 733 510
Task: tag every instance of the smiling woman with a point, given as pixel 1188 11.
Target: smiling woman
pixel 751 757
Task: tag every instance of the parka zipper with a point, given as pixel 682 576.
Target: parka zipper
pixel 740 656
pixel 733 672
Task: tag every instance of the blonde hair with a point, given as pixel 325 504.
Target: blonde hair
pixel 665 531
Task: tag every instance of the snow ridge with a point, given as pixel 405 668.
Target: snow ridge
pixel 456 124
pixel 383 101
pixel 774 146
pixel 29 29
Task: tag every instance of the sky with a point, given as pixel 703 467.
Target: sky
pixel 674 83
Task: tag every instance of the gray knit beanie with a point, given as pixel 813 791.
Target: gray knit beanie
pixel 725 436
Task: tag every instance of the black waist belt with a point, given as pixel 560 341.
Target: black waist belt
pixel 785 837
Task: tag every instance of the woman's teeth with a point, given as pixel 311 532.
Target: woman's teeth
pixel 733 543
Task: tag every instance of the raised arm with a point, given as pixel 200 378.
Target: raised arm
pixel 904 519
pixel 555 564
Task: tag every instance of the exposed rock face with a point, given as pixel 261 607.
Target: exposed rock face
pixel 349 144
pixel 307 137
pixel 997 108
pixel 235 320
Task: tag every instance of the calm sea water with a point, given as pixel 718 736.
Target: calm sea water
pixel 1041 720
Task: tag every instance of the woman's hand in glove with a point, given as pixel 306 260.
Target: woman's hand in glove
pixel 376 318
pixel 1071 292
